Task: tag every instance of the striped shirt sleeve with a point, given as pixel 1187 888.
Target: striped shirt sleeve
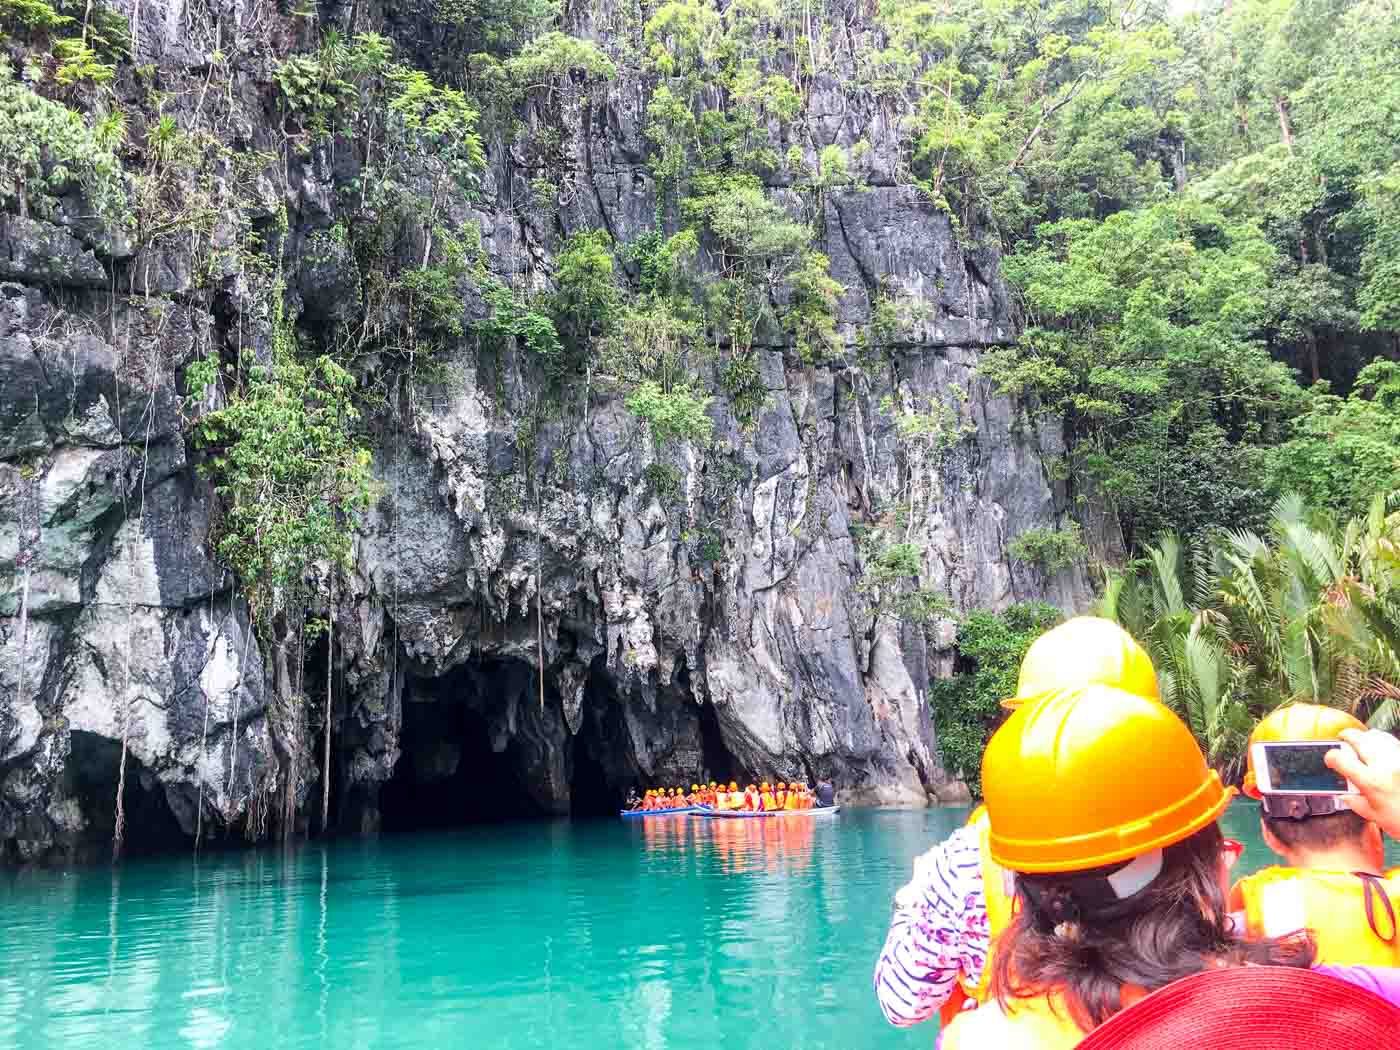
pixel 939 928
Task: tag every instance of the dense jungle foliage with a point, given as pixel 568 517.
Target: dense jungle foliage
pixel 1201 215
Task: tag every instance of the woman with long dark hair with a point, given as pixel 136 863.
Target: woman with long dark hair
pixel 1103 806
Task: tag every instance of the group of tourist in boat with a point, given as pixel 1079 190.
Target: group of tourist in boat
pixel 1088 903
pixel 766 797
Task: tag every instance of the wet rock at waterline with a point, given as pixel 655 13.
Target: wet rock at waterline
pixel 720 623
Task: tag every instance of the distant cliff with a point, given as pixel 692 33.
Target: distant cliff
pixel 765 599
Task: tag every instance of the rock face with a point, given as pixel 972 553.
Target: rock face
pixel 724 626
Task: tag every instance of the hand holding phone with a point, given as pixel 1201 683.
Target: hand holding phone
pixel 1298 767
pixel 1371 761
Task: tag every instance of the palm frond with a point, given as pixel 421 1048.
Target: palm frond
pixel 1317 553
pixel 1386 715
pixel 1113 586
pixel 1288 509
pixel 1166 564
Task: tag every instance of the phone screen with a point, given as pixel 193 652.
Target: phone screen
pixel 1300 767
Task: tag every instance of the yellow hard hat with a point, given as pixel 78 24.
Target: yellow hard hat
pixel 712 785
pixel 1125 774
pixel 733 785
pixel 694 787
pixel 1081 651
pixel 1296 722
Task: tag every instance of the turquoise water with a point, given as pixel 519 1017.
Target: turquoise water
pixel 672 934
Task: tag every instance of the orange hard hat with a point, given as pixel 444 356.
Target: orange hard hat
pixel 782 786
pixel 1125 772
pixel 1084 650
pixel 767 786
pixel 1296 722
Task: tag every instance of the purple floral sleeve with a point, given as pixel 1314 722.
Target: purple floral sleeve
pixel 939 928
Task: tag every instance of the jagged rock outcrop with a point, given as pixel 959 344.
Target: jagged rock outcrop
pixel 718 628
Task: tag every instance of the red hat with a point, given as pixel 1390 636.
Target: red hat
pixel 1253 1008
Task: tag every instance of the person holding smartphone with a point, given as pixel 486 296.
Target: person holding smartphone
pixel 1333 879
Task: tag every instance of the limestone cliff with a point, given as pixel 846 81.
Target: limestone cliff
pixel 725 624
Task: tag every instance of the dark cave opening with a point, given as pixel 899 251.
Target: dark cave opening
pixel 475 747
pixel 591 792
pixel 92 771
pixel 448 774
pixel 718 761
pixel 601 765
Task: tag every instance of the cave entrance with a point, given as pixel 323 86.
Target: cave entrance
pixel 92 770
pixel 601 764
pixel 591 792
pixel 448 773
pixel 476 747
pixel 718 762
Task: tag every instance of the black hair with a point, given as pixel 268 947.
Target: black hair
pixel 1317 833
pixel 1179 924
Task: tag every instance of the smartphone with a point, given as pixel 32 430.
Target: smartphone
pixel 1296 767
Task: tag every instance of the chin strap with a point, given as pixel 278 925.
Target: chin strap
pixel 1375 888
pixel 1301 807
pixel 1101 894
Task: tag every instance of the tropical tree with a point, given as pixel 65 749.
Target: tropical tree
pixel 1239 622
pixel 1166 601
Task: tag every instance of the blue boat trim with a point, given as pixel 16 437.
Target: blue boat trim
pixel 631 814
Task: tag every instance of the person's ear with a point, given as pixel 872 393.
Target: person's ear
pixel 1271 840
pixel 1373 842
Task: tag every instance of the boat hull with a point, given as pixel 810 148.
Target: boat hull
pixel 777 814
pixel 634 814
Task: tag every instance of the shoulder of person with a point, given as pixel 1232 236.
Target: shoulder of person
pixel 989 1027
pixel 951 871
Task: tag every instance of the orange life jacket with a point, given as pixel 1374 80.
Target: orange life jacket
pixel 769 803
pixel 1042 1023
pixel 1352 916
pixel 999 893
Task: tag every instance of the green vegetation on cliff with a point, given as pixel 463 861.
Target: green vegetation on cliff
pixel 967 705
